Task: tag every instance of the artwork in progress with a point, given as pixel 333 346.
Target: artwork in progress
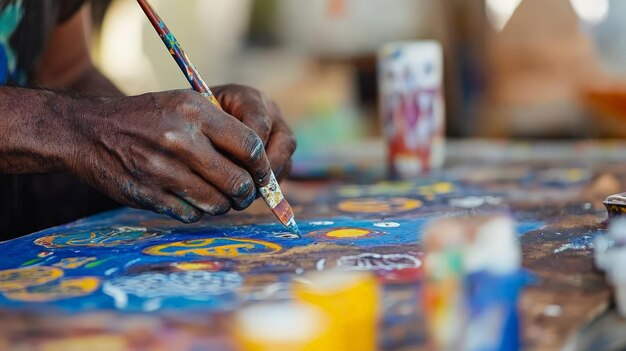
pixel 137 261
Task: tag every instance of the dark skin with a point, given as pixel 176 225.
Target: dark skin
pixel 171 152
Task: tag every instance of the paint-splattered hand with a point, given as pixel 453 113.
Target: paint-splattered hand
pixel 262 115
pixel 176 153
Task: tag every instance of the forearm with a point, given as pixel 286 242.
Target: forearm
pixel 33 131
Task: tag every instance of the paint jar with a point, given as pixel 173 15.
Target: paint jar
pixel 442 298
pixel 410 76
pixel 493 282
pixel 610 256
pixel 615 205
pixel 442 292
pixel 473 278
pixel 292 326
pixel 492 312
pixel 351 300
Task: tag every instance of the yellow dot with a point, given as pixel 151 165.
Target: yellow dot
pixel 348 233
pixel 575 175
pixel 411 205
pixel 191 266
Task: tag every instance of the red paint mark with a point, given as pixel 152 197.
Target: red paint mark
pixel 337 9
pixel 400 276
pixel 283 212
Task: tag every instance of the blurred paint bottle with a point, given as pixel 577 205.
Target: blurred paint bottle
pixel 473 283
pixel 351 300
pixel 610 256
pixel 492 285
pixel 442 298
pixel 412 106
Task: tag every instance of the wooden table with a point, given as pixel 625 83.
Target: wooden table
pixel 130 278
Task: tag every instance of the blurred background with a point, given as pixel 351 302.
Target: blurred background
pixel 513 68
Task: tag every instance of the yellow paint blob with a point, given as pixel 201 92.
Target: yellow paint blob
pixel 351 300
pixel 348 233
pixel 64 289
pixel 197 266
pixel 575 174
pixel 367 205
pixel 97 342
pixel 74 262
pixel 21 278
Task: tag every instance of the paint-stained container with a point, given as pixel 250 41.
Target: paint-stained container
pixel 616 205
pixel 443 243
pixel 411 97
pixel 292 326
pixel 351 300
pixel 473 278
pixel 610 256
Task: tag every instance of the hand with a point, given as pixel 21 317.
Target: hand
pixel 172 152
pixel 263 116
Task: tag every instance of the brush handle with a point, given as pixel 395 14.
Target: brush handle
pixel 185 64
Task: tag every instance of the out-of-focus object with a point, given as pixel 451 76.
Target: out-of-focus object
pixel 538 58
pixel 284 327
pixel 607 102
pixel 351 299
pixel 616 205
pixel 499 12
pixel 610 256
pixel 412 106
pixel 133 57
pixel 591 11
pixel 473 280
pixel 443 244
pixel 601 186
pixel 354 27
pixel 492 285
pixel 605 22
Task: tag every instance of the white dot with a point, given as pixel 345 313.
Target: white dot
pixel 322 223
pixel 286 235
pixel 553 310
pixel 387 224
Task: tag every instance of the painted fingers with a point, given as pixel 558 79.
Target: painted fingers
pixel 173 153
pixel 265 118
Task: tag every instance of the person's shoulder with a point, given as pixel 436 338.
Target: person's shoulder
pixel 67 8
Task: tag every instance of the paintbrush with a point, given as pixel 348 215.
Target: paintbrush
pixel 271 193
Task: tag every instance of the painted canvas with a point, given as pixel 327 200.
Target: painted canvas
pixel 131 263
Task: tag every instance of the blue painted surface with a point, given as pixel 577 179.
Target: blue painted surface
pixel 116 245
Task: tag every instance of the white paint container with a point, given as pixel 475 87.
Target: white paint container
pixel 610 256
pixel 410 76
pixel 290 326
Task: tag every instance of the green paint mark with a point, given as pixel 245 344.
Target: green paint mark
pixel 33 261
pixel 97 263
